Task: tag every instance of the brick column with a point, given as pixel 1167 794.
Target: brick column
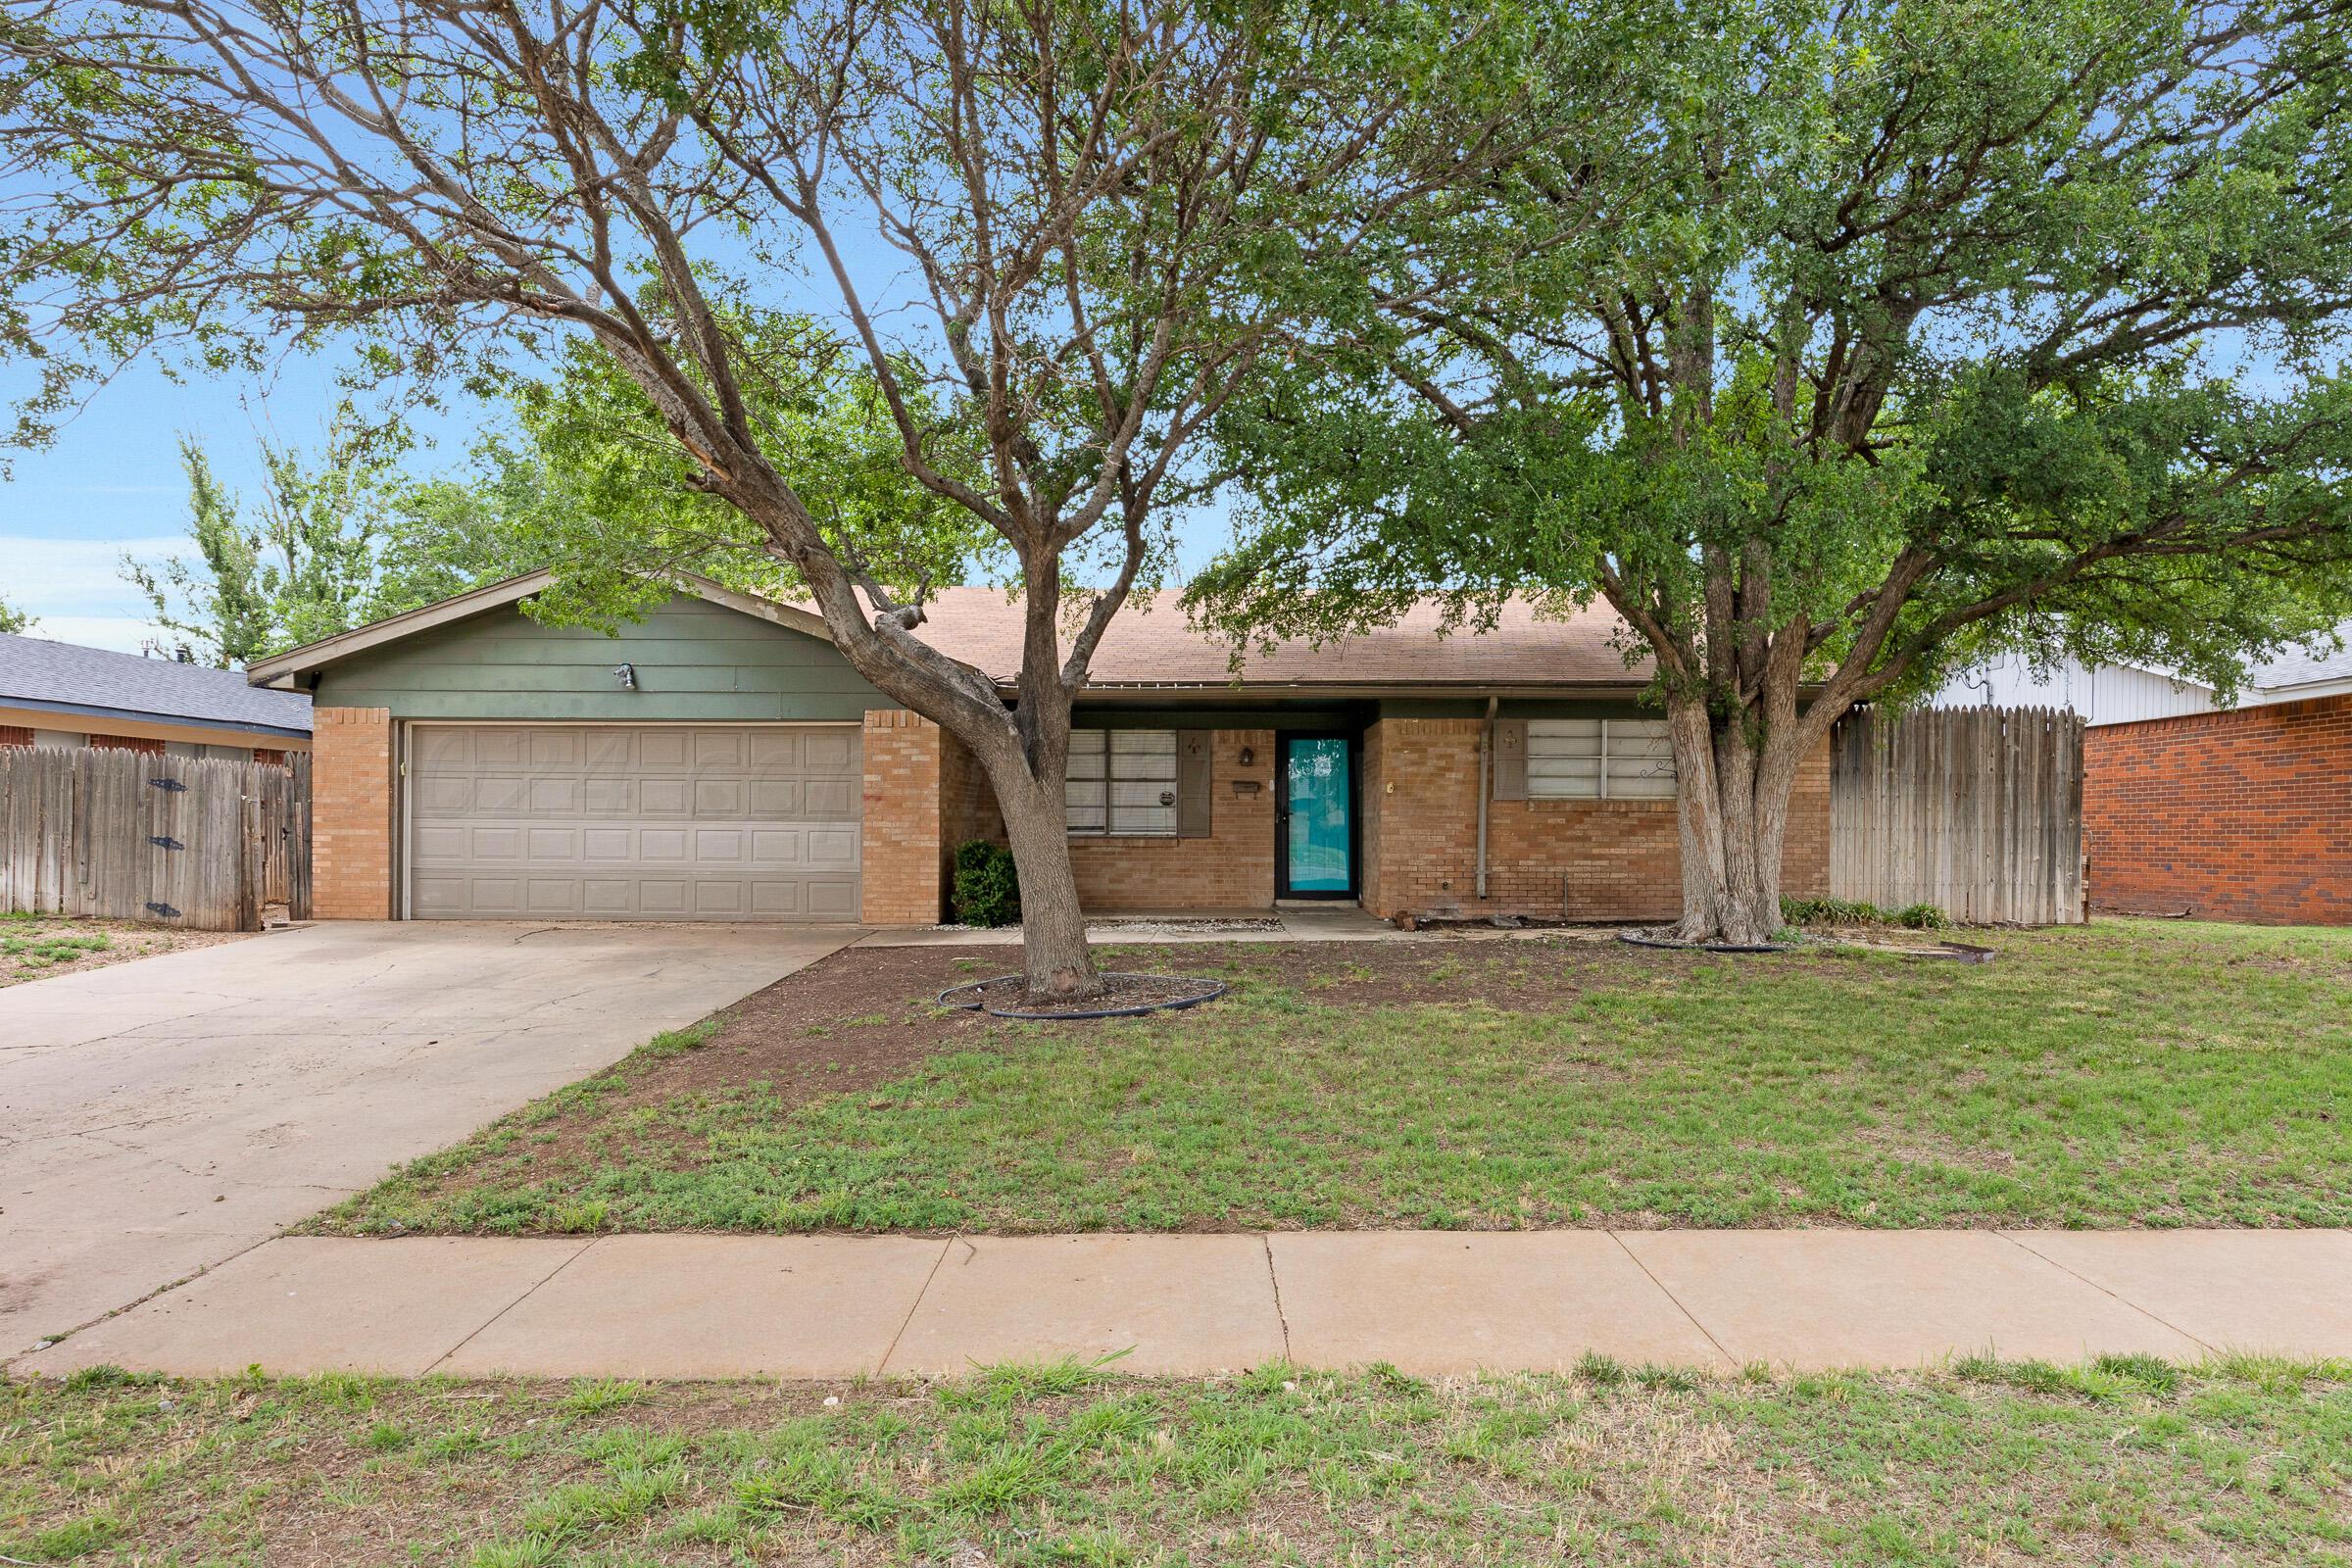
pixel 351 813
pixel 1805 844
pixel 903 876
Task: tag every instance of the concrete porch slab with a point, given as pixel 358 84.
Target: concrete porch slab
pixel 1816 1299
pixel 1520 1300
pixel 2287 1293
pixel 1179 1303
pixel 711 1306
pixel 306 1304
pixel 1165 928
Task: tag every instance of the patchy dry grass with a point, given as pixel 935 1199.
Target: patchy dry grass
pixel 2131 1073
pixel 2126 1461
pixel 34 947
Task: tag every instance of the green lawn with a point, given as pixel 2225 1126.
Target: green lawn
pixel 2127 1461
pixel 2130 1074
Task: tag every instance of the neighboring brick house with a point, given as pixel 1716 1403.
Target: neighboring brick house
pixel 63 694
pixel 2240 813
pixel 720 761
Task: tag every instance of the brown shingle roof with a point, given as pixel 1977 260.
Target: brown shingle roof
pixel 1151 643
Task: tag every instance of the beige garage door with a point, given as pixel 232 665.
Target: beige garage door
pixel 659 823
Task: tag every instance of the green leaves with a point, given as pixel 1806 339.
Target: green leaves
pixel 2027 323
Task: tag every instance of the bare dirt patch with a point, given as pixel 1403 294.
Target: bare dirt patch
pixel 867 1015
pixel 36 947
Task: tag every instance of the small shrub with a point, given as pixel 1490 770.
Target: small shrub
pixel 1921 918
pixel 988 892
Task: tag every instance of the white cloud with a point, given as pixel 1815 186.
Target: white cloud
pixel 75 588
pixel 125 635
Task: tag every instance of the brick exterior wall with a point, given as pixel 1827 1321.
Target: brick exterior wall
pixel 906 846
pixel 1233 869
pixel 968 806
pixel 141 744
pixel 15 735
pixel 2242 815
pixel 351 813
pixel 1585 860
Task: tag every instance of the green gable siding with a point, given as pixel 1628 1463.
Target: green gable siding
pixel 695 662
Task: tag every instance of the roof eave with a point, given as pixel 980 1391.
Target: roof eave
pixel 281 670
pixel 34 705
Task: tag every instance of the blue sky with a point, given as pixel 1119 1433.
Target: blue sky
pixel 110 485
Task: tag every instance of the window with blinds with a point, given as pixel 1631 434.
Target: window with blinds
pixel 1599 759
pixel 1121 781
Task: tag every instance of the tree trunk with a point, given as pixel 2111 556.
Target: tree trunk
pixel 1733 811
pixel 1056 964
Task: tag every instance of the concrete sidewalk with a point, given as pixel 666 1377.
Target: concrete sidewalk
pixel 1430 1302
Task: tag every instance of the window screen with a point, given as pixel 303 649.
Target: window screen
pixel 1121 781
pixel 1599 759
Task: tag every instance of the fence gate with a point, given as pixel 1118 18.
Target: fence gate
pixel 1978 810
pixel 197 842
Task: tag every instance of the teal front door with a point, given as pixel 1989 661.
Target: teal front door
pixel 1316 827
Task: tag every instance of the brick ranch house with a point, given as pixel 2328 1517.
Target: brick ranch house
pixel 2238 813
pixel 720 761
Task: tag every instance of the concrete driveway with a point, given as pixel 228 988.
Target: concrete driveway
pixel 159 1116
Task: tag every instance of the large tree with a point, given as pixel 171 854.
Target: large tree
pixel 1082 223
pixel 296 563
pixel 1894 332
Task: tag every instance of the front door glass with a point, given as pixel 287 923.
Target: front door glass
pixel 1318 796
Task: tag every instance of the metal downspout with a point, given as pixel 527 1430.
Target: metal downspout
pixel 1486 787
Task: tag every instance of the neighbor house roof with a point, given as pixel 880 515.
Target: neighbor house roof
pixel 91 682
pixel 2289 672
pixel 1152 645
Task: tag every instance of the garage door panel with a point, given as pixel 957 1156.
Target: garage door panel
pixel 600 822
pixel 832 899
pixel 719 747
pixel 488 843
pixel 608 797
pixel 833 848
pixel 501 748
pixel 609 844
pixel 777 749
pixel 776 799
pixel 608 751
pixel 663 748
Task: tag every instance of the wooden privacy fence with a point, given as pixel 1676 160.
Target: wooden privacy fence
pixel 1977 811
pixel 195 841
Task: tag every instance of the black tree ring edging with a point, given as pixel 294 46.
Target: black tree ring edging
pixel 1643 939
pixel 969 998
